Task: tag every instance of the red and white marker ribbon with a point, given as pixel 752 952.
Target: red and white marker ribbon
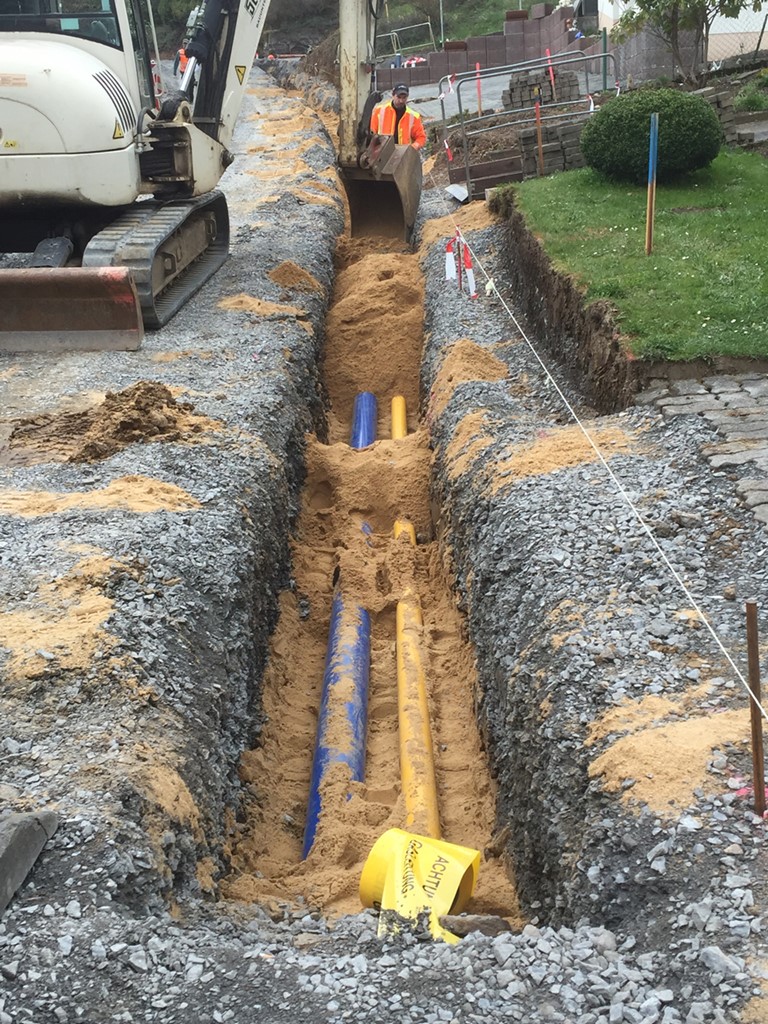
pixel 457 246
pixel 451 80
pixel 469 272
pixel 450 261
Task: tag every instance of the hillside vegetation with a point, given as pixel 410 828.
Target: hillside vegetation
pixel 295 25
pixel 292 19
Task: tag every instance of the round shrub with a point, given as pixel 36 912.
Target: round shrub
pixel 615 139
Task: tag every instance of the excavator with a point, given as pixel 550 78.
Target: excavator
pixel 110 183
pixel 382 179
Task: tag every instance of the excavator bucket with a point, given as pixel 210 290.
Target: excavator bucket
pixel 385 190
pixel 69 308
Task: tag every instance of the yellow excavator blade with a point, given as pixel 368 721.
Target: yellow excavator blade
pixel 69 308
pixel 385 190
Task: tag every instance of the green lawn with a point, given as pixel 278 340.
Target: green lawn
pixel 703 291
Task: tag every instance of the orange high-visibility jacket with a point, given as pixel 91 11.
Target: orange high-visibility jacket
pixel 182 61
pixel 410 129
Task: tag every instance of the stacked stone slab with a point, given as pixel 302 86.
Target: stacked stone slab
pixel 722 103
pixel 560 147
pixel 526 87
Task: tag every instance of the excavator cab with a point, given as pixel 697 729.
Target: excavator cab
pixel 97 21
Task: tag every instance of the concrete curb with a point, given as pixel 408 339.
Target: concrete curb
pixel 22 838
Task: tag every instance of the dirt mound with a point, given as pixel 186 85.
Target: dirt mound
pixel 146 411
pixel 290 275
pixel 376 326
pixel 322 60
pixel 350 250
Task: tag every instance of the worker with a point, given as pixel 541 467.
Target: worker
pixel 395 117
pixel 180 62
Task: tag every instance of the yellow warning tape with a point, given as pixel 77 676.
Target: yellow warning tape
pixel 407 876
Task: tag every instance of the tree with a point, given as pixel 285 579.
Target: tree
pixel 679 22
pixel 292 15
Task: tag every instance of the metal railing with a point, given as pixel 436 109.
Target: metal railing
pixel 398 49
pixel 573 60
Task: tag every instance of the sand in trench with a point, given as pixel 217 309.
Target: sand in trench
pixel 374 339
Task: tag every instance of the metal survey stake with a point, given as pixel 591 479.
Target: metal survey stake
pixel 650 206
pixel 755 711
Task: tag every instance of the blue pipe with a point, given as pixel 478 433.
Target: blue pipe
pixel 342 723
pixel 343 719
pixel 363 420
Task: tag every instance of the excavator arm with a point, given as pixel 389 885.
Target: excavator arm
pixel 189 142
pixel 221 50
pixel 383 180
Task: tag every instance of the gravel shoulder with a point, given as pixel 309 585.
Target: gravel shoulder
pixel 616 721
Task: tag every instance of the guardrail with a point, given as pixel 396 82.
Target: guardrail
pixel 457 84
pixel 428 44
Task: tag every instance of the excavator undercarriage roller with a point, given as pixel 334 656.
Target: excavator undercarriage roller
pixel 170 248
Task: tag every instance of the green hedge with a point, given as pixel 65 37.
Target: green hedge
pixel 615 139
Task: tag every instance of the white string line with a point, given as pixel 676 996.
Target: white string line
pixel 619 486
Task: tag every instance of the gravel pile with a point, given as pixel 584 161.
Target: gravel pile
pixel 78 963
pixel 635 916
pixel 154 719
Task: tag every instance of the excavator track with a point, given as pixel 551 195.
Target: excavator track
pixel 171 249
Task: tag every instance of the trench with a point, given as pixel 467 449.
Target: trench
pixel 374 337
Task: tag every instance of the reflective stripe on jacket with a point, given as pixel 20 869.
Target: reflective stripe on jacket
pixel 410 129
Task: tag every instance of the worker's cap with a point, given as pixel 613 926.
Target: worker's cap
pixel 400 90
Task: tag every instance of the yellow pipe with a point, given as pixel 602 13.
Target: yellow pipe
pixel 399 419
pixel 411 872
pixel 402 526
pixel 417 767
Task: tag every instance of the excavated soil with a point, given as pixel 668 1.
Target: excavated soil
pixel 350 501
pixel 142 413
